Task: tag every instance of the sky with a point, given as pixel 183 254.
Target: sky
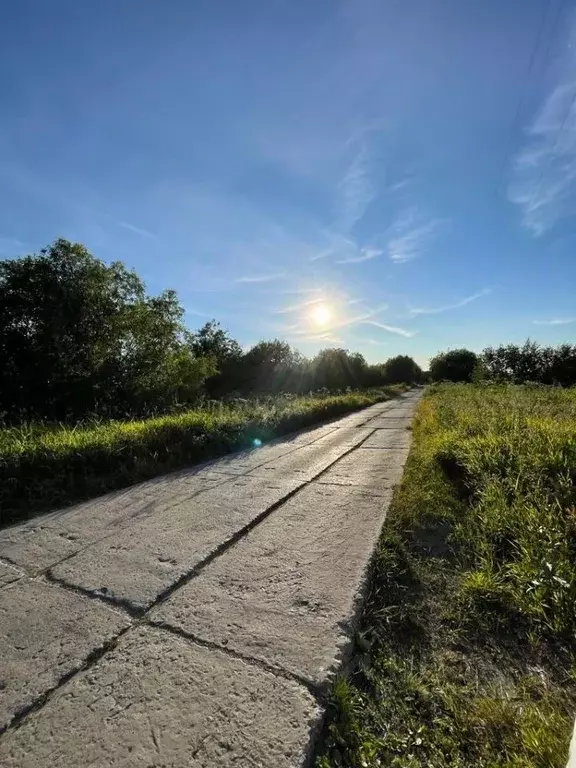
pixel 388 176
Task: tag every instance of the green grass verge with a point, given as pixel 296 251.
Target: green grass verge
pixel 43 467
pixel 465 653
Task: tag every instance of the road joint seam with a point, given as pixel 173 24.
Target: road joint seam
pixel 318 691
pixel 40 701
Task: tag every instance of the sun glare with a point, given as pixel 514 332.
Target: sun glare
pixel 320 315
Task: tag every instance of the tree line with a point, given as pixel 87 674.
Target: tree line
pixel 80 337
pixel 509 363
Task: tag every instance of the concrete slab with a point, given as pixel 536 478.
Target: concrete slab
pixel 382 423
pixel 287 593
pixel 359 418
pixel 35 547
pixel 8 575
pixel 38 544
pixel 157 700
pixel 142 561
pixel 375 471
pixel 397 413
pixel 45 633
pixel 393 439
pixel 306 462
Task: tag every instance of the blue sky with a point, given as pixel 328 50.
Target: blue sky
pixel 408 164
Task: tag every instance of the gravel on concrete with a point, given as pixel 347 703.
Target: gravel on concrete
pixel 158 701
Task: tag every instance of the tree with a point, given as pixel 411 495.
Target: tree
pixel 213 341
pixel 401 369
pixel 333 369
pixel 453 365
pixel 78 335
pixel 531 362
pixel 268 366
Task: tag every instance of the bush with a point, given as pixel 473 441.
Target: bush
pixel 454 365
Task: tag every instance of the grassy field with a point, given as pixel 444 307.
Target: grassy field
pixel 42 467
pixel 465 656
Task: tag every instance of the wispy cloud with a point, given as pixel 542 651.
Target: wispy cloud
pixel 461 303
pixel 312 337
pixel 337 244
pixel 556 321
pixel 390 328
pixel 299 307
pixel 356 190
pixel 410 234
pixel 136 230
pixel 366 254
pixel 297 291
pixel 303 330
pixel 401 185
pixel 261 278
pixel 543 179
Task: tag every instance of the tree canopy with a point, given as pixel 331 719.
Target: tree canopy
pixel 402 368
pixel 454 365
pixel 78 336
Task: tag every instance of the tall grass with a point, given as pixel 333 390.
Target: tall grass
pixel 43 466
pixel 465 655
pixel 512 451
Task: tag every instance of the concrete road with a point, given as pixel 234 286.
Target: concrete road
pixel 195 619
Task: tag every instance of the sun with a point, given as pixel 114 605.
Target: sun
pixel 320 315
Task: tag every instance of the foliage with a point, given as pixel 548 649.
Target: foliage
pixel 465 651
pixel 213 341
pixel 401 368
pixel 454 365
pixel 509 363
pixel 45 466
pixel 79 336
pixel 271 366
pixel 530 363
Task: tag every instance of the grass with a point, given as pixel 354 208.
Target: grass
pixel 44 466
pixel 465 653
